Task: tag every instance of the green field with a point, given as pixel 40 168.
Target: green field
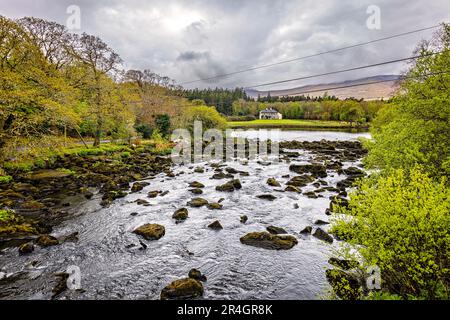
pixel 288 123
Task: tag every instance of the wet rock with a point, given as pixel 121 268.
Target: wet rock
pixel 221 200
pixel 346 286
pixel 151 231
pixel 199 170
pixel 165 193
pixel 181 214
pixel 293 189
pixel 317 170
pixel 268 197
pixel 113 195
pixel 154 194
pixel 73 237
pixel 197 202
pixel 214 206
pixel 273 182
pixel 221 175
pixel 32 205
pixel 296 206
pixel 344 264
pixel 269 241
pixel 276 230
pixel 354 172
pixel 133 214
pixel 215 225
pixel 196 185
pixel 230 186
pixel 197 275
pixel 300 181
pixel 307 230
pixel 45 175
pixel 322 235
pixel 183 289
pixel 47 241
pixel 196 191
pixel 26 248
pixel 231 170
pixel 61 284
pixel 244 174
pixel 142 202
pixel 321 222
pixel 138 186
pixel 328 212
pixel 311 195
pixel 244 219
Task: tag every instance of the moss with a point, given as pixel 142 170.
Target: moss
pixel 11 223
pixel 183 289
pixel 5 179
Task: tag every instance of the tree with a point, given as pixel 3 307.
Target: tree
pixel 100 61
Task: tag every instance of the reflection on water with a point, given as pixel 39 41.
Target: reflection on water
pixel 299 135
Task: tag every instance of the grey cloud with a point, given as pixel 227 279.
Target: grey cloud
pixel 187 40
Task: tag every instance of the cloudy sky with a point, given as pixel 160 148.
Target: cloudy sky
pixel 192 39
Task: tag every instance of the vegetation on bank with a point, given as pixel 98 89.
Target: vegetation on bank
pixel 290 124
pixel 400 216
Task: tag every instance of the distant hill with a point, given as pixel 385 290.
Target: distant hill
pixel 382 90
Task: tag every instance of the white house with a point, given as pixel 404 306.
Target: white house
pixel 270 113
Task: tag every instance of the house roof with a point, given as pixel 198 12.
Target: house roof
pixel 269 110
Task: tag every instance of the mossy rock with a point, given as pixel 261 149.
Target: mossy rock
pixel 311 195
pixel 300 181
pixel 26 248
pixel 317 170
pixel 345 285
pixel 292 189
pixel 154 194
pixel 47 241
pixel 221 175
pixel 276 230
pixel 196 185
pixel 306 230
pixel 269 241
pixel 196 191
pixel 227 187
pixel 188 288
pixel 273 182
pixel 181 214
pixel 151 231
pixel 215 206
pixel 197 202
pixel 199 170
pixel 244 219
pixel 32 205
pixel 49 175
pixel 138 186
pixel 344 264
pixel 197 275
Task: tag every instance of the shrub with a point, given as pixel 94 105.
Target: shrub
pixel 401 223
pixel 209 117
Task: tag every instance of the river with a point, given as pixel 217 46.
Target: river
pixel 114 266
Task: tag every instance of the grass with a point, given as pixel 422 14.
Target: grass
pixel 289 123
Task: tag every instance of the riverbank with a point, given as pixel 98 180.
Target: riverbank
pixel 294 124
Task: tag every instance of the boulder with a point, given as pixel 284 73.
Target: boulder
pixel 322 235
pixel 197 275
pixel 215 225
pixel 268 197
pixel 197 202
pixel 306 230
pixel 26 248
pixel 182 289
pixel 273 182
pixel 214 206
pixel 181 214
pixel 269 241
pixel 276 230
pixel 47 241
pixel 196 185
pixel 317 170
pixel 151 231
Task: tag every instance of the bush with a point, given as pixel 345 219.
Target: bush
pixel 401 223
pixel 209 117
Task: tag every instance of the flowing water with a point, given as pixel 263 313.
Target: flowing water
pixel 114 266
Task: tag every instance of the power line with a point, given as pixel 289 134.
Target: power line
pixel 368 83
pixel 312 55
pixel 341 71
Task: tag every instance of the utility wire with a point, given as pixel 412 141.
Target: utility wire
pixel 310 56
pixel 341 71
pixel 368 83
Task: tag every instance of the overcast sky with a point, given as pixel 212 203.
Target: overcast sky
pixel 187 40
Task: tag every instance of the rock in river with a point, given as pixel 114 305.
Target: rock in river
pixel 181 214
pixel 47 241
pixel 269 241
pixel 188 288
pixel 197 202
pixel 214 206
pixel 138 186
pixel 196 185
pixel 196 191
pixel 266 197
pixel 322 235
pixel 276 230
pixel 317 170
pixel 197 275
pixel 151 231
pixel 215 225
pixel 273 182
pixel 307 230
pixel 230 186
pixel 26 248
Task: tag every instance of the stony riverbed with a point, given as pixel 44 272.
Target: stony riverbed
pixel 117 263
